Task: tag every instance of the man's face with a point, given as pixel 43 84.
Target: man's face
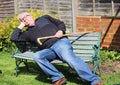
pixel 28 20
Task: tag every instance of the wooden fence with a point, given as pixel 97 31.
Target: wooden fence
pixel 6 9
pixel 68 10
pixel 62 7
pixel 98 7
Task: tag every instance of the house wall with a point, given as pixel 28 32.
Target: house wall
pixel 110 28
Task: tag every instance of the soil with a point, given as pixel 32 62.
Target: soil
pixel 109 68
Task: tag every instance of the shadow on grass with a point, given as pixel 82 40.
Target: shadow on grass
pixel 69 73
pixel 0 71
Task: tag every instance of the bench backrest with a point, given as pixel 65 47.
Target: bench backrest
pixel 86 46
pixel 26 46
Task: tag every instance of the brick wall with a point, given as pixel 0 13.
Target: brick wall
pixel 110 28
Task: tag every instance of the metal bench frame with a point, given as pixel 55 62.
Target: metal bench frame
pixel 86 46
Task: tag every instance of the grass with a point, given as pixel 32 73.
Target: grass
pixel 36 77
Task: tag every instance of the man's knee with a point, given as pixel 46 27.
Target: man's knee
pixel 39 56
pixel 36 56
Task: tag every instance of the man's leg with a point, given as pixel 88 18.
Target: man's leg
pixel 43 59
pixel 64 51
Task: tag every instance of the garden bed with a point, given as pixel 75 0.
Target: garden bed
pixel 109 68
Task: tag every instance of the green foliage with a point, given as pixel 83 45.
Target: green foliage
pixel 107 56
pixel 35 76
pixel 7 26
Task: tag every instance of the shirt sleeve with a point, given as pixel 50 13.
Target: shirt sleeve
pixel 18 35
pixel 60 24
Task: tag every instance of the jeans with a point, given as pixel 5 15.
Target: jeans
pixel 64 51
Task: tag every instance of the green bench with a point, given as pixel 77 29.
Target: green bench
pixel 86 46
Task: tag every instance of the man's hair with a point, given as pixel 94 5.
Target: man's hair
pixel 22 15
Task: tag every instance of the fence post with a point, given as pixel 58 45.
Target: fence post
pixel 94 7
pixel 74 13
pixel 113 14
pixel 15 7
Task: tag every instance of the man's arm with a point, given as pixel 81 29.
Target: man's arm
pixel 18 35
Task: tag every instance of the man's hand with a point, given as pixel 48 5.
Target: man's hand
pixel 59 34
pixel 21 25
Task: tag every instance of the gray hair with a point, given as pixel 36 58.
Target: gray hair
pixel 22 15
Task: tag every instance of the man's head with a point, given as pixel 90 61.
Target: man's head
pixel 26 18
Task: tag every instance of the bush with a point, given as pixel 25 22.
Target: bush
pixel 108 56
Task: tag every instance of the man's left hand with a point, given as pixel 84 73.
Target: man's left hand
pixel 59 34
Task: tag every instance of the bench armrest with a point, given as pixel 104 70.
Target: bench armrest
pixel 96 52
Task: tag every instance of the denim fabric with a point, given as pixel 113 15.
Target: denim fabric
pixel 63 50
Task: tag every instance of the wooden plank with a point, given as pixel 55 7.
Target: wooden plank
pixel 84 51
pixel 6 2
pixel 84 38
pixel 84 55
pixel 85 43
pixel 26 55
pixel 82 47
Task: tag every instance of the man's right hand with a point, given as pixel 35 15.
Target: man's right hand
pixel 21 26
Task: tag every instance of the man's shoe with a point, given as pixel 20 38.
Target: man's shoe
pixel 60 81
pixel 98 83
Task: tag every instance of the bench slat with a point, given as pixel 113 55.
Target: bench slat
pixel 84 51
pixel 86 59
pixel 84 38
pixel 84 54
pixel 85 42
pixel 82 47
pixel 26 55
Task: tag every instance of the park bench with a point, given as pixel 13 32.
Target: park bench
pixel 86 46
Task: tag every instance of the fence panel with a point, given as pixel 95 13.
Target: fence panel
pixel 62 7
pixel 6 9
pixel 98 7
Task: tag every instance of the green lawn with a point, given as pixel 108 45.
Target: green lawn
pixel 36 77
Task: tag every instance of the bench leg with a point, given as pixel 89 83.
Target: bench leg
pixel 18 62
pixel 25 62
pixel 96 66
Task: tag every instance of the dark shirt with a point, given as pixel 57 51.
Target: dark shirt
pixel 44 26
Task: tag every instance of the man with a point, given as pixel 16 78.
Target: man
pixel 50 49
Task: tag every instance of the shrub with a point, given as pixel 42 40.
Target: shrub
pixel 108 56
